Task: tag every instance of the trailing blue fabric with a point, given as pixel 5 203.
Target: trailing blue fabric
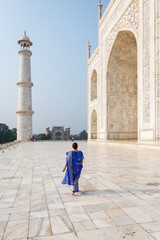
pixel 74 168
pixel 68 179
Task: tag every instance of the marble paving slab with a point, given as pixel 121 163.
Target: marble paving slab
pixel 39 227
pixel 16 230
pixel 119 194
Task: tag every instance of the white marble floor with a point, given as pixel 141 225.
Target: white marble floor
pixel 119 193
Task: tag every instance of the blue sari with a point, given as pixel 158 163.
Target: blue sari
pixel 74 168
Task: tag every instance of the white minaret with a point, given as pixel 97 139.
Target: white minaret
pixel 24 112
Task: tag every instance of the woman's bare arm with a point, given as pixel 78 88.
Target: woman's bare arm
pixel 82 162
pixel 64 167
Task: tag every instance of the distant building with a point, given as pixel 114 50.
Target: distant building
pixel 59 133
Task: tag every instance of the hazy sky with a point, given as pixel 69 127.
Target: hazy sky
pixel 59 30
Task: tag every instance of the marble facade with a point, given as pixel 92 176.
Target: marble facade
pixel 124 73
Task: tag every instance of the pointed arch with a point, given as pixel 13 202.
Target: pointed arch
pixel 58 136
pixel 122 88
pixel 94 85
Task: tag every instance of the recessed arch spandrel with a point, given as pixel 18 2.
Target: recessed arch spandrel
pixel 128 21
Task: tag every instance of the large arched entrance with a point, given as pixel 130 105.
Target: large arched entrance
pixel 94 125
pixel 58 136
pixel 122 88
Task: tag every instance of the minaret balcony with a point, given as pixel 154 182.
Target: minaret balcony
pixel 25 51
pixel 25 84
pixel 28 112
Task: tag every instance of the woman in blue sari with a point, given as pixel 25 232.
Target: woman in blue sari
pixel 73 167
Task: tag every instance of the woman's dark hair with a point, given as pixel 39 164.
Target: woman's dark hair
pixel 75 145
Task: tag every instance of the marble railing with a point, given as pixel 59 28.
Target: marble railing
pixel 6 145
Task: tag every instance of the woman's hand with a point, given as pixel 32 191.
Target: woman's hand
pixel 82 163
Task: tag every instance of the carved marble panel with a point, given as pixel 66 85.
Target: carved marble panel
pixel 129 19
pixel 157 44
pixel 146 61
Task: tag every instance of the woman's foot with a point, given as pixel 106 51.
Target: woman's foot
pixel 73 194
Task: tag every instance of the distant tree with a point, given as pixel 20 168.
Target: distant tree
pixel 6 134
pixel 13 134
pixel 83 135
pixel 42 136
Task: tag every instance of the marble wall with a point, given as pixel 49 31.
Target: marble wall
pixel 127 61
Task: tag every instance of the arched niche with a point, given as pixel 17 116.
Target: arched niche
pixel 94 125
pixel 58 136
pixel 94 85
pixel 122 88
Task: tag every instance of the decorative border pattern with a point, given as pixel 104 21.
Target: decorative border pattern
pixel 157 75
pixel 146 61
